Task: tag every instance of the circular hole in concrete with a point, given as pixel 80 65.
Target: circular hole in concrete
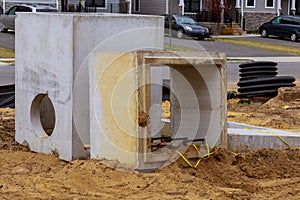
pixel 42 115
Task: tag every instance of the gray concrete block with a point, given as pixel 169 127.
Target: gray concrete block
pixel 243 137
pixel 52 59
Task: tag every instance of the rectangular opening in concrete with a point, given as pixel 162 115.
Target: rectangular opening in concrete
pixel 194 93
pixel 128 90
pixel 160 106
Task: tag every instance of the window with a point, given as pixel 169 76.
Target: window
pixel 285 21
pixel 12 10
pixel 166 18
pixel 250 3
pixel 270 3
pixel 95 3
pixel 294 21
pixel 277 20
pixel 191 6
pixel 185 20
pixel 137 5
pixel 23 9
pixel 173 21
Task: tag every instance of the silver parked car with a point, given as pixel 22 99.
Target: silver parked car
pixel 7 20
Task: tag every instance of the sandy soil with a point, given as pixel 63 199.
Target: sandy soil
pixel 281 112
pixel 259 174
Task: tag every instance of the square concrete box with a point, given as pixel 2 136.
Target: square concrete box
pixel 120 105
pixel 52 88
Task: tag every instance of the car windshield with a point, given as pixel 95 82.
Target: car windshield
pixel 185 20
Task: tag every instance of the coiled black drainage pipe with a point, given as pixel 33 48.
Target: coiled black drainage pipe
pixel 7 96
pixel 258 79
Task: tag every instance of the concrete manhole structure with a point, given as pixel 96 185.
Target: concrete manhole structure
pixel 52 64
pixel 76 101
pixel 121 101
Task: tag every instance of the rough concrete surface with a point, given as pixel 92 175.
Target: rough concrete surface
pixel 52 62
pixel 119 94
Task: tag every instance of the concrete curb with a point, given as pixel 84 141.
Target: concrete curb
pixel 244 137
pixel 7 60
pixel 236 36
pixel 284 59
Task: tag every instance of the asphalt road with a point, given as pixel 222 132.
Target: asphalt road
pixel 271 40
pixel 7 75
pixel 231 50
pixel 7 40
pixel 292 68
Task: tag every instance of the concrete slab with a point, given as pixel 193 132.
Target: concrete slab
pixel 7 60
pixel 244 137
pixel 279 59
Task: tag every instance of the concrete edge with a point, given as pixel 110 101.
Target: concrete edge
pixel 283 59
pixel 231 126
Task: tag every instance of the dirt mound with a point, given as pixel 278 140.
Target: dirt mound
pixel 7 130
pixel 260 174
pixel 35 176
pixel 247 174
pixel 276 113
pixel 258 164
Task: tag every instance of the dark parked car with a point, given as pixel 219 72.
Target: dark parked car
pixel 186 26
pixel 282 26
pixel 7 20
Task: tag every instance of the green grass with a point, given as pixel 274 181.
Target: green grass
pixel 6 53
pixel 237 59
pixel 262 45
pixel 177 48
pixel 253 32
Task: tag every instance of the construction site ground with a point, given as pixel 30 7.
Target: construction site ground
pixel 258 174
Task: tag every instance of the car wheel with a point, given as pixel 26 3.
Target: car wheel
pixel 293 37
pixel 264 33
pixel 180 33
